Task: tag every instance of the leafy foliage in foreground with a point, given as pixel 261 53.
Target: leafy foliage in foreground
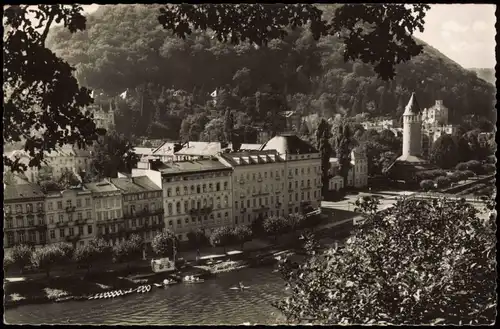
pixel 420 262
pixel 43 104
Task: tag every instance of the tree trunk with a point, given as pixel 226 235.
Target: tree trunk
pixel 47 272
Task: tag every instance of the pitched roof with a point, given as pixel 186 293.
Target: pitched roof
pixel 146 183
pixel 13 192
pixel 166 148
pixel 134 184
pixel 185 167
pixel 288 143
pixel 412 108
pixel 200 148
pixel 143 150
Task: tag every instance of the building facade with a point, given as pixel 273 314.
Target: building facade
pixel 196 194
pixel 142 210
pixel 69 216
pixel 358 173
pixel 107 210
pixel 379 125
pixel 436 115
pixel 258 184
pixel 302 169
pixel 24 216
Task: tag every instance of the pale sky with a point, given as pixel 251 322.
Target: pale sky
pixel 463 32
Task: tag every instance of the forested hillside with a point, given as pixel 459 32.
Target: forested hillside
pixel 169 80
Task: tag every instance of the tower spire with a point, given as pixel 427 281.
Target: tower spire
pixel 412 108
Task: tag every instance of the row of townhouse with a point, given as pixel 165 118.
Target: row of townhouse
pixel 112 209
pixel 231 188
pixel 235 188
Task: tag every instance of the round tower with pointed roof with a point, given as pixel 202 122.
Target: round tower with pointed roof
pixel 412 129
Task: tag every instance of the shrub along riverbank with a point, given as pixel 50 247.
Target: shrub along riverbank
pixel 97 267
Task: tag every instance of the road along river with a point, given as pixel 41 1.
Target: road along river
pixel 210 302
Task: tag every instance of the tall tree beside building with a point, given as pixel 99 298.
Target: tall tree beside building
pixel 228 126
pixel 165 244
pixel 323 136
pixel 344 142
pixel 444 152
pixel 113 154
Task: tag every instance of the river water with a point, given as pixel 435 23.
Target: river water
pixel 210 302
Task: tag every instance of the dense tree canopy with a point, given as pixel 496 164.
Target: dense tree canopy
pixel 113 154
pixel 420 262
pixel 290 73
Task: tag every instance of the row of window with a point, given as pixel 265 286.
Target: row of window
pixel 203 188
pixel 24 223
pixel 196 205
pixel 20 208
pixel 107 202
pixel 69 217
pixel 199 219
pixel 198 177
pixel 140 222
pixel 264 201
pixel 133 208
pixel 110 214
pixel 70 232
pixel 23 237
pixel 69 203
pixel 142 196
pixel 259 175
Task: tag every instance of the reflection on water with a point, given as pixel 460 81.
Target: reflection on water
pixel 211 302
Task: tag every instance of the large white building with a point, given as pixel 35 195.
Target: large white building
pixel 107 208
pixel 196 194
pixel 69 216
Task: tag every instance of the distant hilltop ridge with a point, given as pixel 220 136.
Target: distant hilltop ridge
pixel 487 74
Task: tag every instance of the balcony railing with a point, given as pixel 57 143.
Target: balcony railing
pixel 73 238
pixel 70 209
pixel 243 210
pixel 143 212
pixel 260 194
pixel 261 209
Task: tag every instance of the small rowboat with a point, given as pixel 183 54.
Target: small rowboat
pixel 195 281
pixel 239 288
